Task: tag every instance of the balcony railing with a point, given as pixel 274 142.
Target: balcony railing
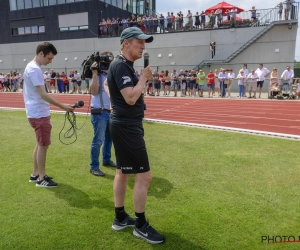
pixel 154 24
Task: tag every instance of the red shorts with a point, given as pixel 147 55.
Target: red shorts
pixel 52 82
pixel 42 128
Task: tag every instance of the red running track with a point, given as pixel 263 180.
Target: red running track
pixel 276 116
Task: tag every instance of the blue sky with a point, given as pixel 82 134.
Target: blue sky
pixel 164 6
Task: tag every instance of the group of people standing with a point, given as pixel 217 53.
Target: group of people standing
pixel 11 82
pixel 219 83
pixel 56 82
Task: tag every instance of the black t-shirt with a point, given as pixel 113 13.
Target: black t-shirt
pixel 121 74
pixel 53 75
pixel 182 75
pixel 194 75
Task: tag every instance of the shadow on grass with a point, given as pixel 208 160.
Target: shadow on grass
pixel 175 241
pixel 159 187
pixel 79 199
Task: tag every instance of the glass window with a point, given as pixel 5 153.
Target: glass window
pixel 61 1
pixel 41 29
pixel 83 27
pixel 34 29
pixel 52 2
pixel 27 30
pixel 14 31
pixel 13 4
pixel 69 1
pixel 73 28
pixel 28 4
pixel 44 2
pixel 20 4
pixel 79 0
pixel 21 31
pixel 107 1
pixel 36 3
pixel 120 4
pixel 126 5
pixel 63 29
pixel 114 2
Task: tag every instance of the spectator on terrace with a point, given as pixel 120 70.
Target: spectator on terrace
pixel 155 24
pixel 104 27
pixel 219 15
pixel 288 7
pixel 217 83
pixel 47 81
pixel 233 16
pixel 197 21
pixel 133 20
pixel 173 21
pixel 202 20
pixel 115 27
pixel 169 22
pixel 228 15
pixel 109 27
pixel 124 24
pixel 161 24
pixel 253 15
pixel 212 19
pixel 120 26
pixel 280 9
pixel 189 24
pixel 180 15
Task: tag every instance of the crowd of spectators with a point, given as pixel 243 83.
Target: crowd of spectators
pixel 173 22
pixel 218 83
pixel 192 83
pixel 11 81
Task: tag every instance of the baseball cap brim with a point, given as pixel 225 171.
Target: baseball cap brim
pixel 136 33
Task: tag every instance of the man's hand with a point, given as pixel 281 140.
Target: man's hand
pixel 67 108
pixel 95 71
pixel 147 72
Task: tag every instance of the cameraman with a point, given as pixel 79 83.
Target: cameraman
pixel 126 125
pixel 100 115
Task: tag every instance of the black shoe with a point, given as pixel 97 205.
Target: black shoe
pixel 97 172
pixel 46 182
pixel 148 234
pixel 35 178
pixel 110 164
pixel 127 222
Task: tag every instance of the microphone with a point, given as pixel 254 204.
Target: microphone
pixel 78 104
pixel 146 60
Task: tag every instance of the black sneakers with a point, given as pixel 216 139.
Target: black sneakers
pixel 148 234
pixel 127 222
pixel 97 172
pixel 33 178
pixel 109 164
pixel 46 182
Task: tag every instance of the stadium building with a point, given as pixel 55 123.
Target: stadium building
pixel 72 26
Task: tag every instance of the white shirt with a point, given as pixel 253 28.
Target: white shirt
pixel 261 73
pixel 252 76
pixel 47 77
pixel 77 76
pixel 35 106
pixel 288 74
pixel 231 76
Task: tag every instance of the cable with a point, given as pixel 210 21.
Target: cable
pixel 72 131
